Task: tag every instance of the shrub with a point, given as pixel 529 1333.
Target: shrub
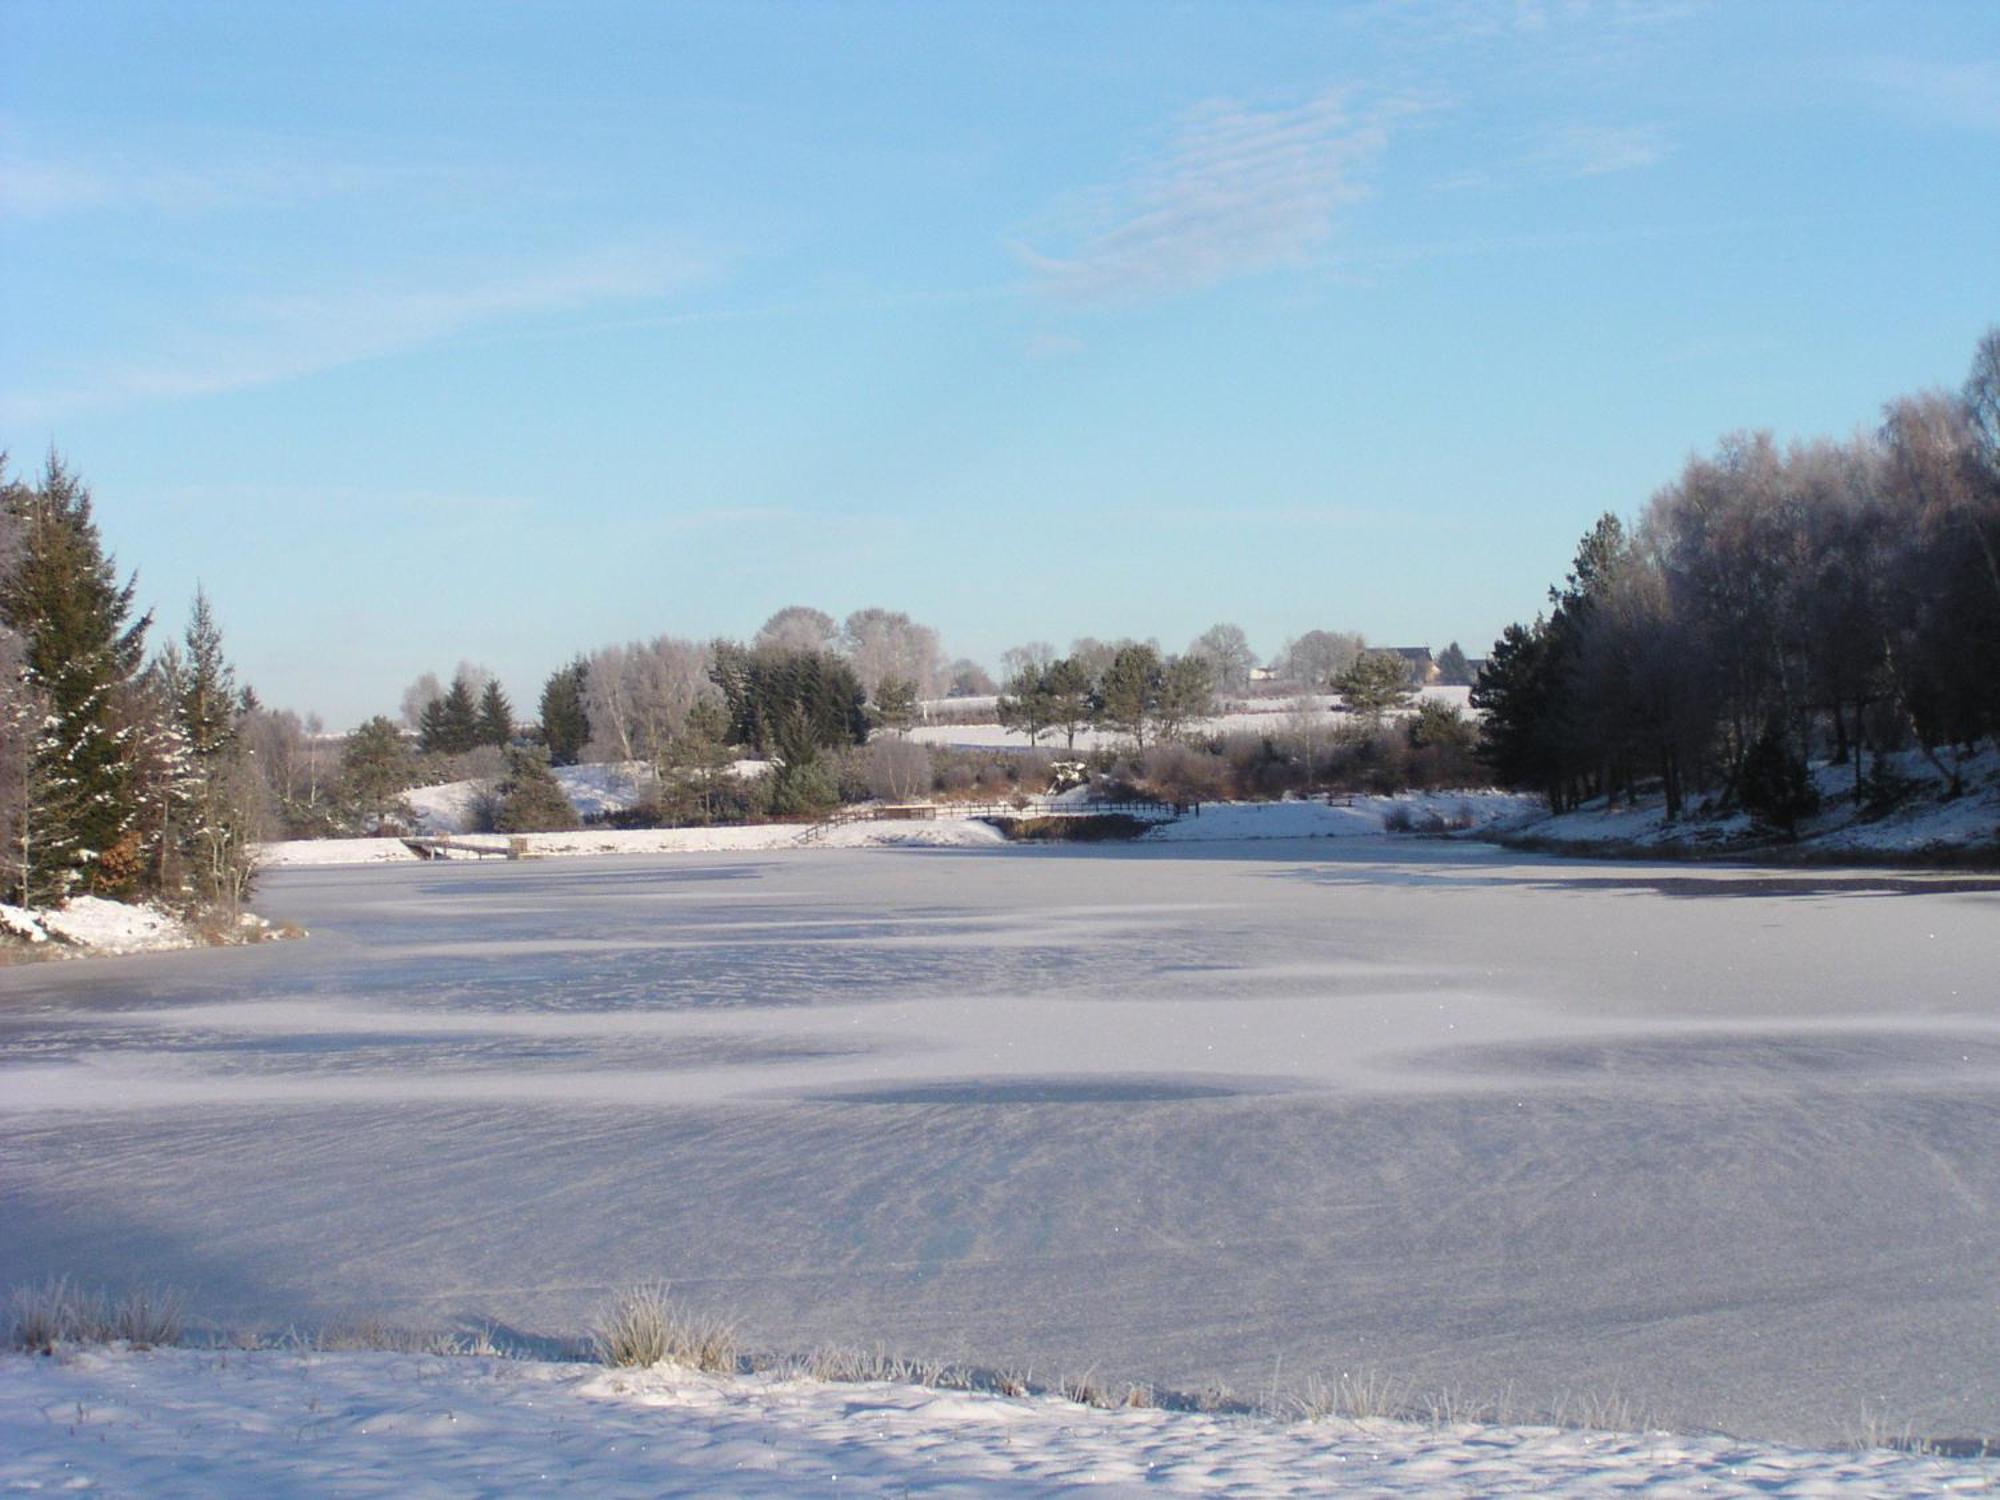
pixel 1182 773
pixel 898 770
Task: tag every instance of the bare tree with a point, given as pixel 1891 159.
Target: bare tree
pixel 1311 660
pixel 417 697
pixel 1227 651
pixel 797 627
pixel 1029 657
pixel 885 645
pixel 638 697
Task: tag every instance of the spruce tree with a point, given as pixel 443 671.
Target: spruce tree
pixel 431 728
pixel 219 834
pixel 374 773
pixel 1374 683
pixel 460 719
pixel 565 724
pixel 496 716
pixel 531 799
pixel 83 649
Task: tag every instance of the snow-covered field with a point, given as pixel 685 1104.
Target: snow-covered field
pixel 1715 1141
pixel 222 1424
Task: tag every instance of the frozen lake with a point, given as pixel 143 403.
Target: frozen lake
pixel 1724 1142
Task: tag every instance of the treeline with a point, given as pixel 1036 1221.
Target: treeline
pixel 824 706
pixel 1770 608
pixel 121 775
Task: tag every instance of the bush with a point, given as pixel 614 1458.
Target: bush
pixel 898 770
pixel 1181 773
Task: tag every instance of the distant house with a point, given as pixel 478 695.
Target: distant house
pixel 1423 668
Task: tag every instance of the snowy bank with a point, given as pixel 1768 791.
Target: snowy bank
pixel 93 925
pixel 734 838
pixel 1217 822
pixel 227 1422
pixel 1355 817
pixel 1925 823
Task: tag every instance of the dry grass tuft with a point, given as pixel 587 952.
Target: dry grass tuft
pixel 643 1326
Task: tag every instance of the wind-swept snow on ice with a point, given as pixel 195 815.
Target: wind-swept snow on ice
pixel 1716 1140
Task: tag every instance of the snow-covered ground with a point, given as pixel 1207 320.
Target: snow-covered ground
pixel 939 833
pixel 1926 822
pixel 1271 715
pixel 224 1424
pixel 93 925
pixel 593 790
pixel 1717 1141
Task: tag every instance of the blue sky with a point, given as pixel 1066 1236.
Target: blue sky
pixel 499 331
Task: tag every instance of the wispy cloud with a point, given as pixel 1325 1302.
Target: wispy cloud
pixel 41 184
pixel 1239 190
pixel 275 338
pixel 1956 95
pixel 1597 150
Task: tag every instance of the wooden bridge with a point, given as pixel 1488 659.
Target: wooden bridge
pixel 457 846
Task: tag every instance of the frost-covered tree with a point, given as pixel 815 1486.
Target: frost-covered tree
pixel 225 809
pixel 797 627
pixel 82 649
pixel 884 644
pixel 1310 660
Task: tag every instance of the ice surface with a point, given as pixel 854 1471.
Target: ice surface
pixel 1718 1140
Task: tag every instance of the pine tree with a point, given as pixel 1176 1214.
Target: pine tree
pixel 220 831
pixel 895 707
pixel 1129 693
pixel 1453 668
pixel 565 724
pixel 531 799
pixel 208 697
pixel 374 771
pixel 496 716
pixel 460 718
pixel 1376 682
pixel 83 649
pixel 431 729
